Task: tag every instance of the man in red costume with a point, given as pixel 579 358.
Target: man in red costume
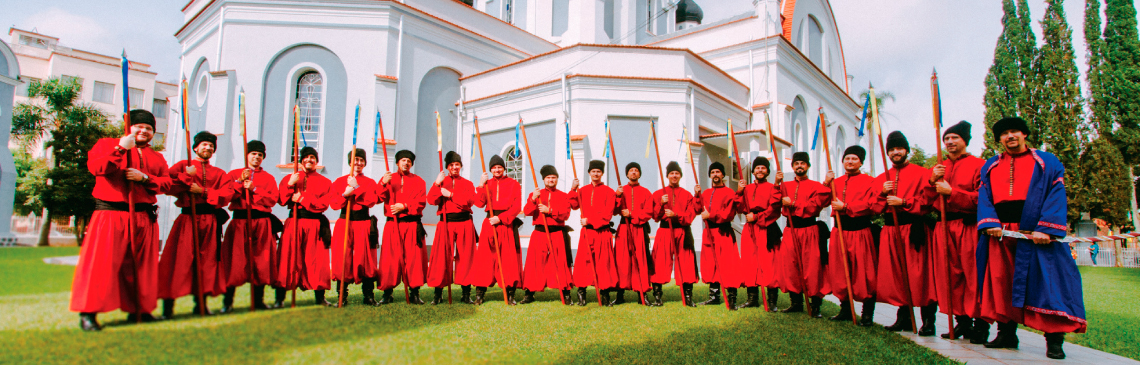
pixel 546 260
pixel 760 239
pixel 631 243
pixel 259 229
pixel 956 178
pixel 855 196
pixel 675 209
pixel 117 271
pixel 904 256
pixel 500 236
pixel 403 257
pixel 595 257
pixel 720 259
pixel 803 250
pixel 303 256
pixel 453 249
pixel 361 256
pixel 176 266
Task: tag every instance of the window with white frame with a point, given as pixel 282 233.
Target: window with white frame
pixel 103 93
pixel 77 80
pixel 514 166
pixel 649 17
pixel 310 93
pixel 33 42
pixel 23 89
pixel 159 108
pixel 136 96
pixel 508 11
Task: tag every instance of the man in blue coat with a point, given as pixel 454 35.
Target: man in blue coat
pixel 1032 281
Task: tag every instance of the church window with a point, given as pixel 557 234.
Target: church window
pixel 514 165
pixel 838 148
pixel 103 93
pixel 608 24
pixel 310 92
pixel 560 20
pixel 508 11
pixel 815 40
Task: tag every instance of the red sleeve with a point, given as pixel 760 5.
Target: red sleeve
pixel 690 205
pixel 180 181
pixel 512 191
pixel 434 196
pixel 157 171
pixel 726 208
pixel 104 159
pixel 365 192
pixel 572 198
pixel 642 206
pixel 560 210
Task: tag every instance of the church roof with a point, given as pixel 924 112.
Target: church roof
pixel 688 10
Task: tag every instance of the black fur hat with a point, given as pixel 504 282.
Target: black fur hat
pixel 962 129
pixel 402 154
pixel 140 116
pixel 1008 123
pixel 547 170
pixel 716 166
pixel 801 156
pixel 450 157
pixel 205 136
pixel 673 166
pixel 858 151
pixel 359 153
pixel 632 165
pixel 306 151
pixel 761 161
pixel 255 146
pixel 597 164
pixel 897 139
pixel 498 161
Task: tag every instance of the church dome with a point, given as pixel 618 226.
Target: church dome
pixel 689 11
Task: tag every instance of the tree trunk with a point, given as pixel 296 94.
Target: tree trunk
pixel 45 229
pixel 80 229
pixel 1132 200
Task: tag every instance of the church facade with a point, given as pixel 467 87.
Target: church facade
pixel 567 69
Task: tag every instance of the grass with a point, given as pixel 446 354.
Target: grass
pixel 1112 311
pixel 37 327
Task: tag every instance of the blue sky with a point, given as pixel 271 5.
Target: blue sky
pixel 892 43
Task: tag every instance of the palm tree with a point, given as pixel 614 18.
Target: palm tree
pixel 881 96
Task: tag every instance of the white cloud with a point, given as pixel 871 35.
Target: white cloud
pixel 73 30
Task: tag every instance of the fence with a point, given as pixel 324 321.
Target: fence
pixel 29 227
pixel 1107 255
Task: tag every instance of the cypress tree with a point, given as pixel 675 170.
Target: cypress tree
pixel 1105 184
pixel 1010 76
pixel 1120 78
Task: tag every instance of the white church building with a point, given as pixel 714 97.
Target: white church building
pixel 548 63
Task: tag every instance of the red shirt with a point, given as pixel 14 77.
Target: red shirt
pixel 263 192
pixel 964 178
pixel 314 190
pixel 462 195
pixel 214 184
pixel 1000 175
pixel 809 197
pixel 681 202
pixel 763 199
pixel 365 193
pixel 858 194
pixel 910 181
pixel 506 196
pixel 403 188
pixel 597 202
pixel 109 165
pixel 640 199
pixel 721 202
pixel 559 203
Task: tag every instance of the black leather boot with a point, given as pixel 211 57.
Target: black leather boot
pixel 688 290
pixel 605 298
pixel 279 297
pixel 414 296
pixel 141 317
pixel 88 322
pixel 227 301
pixel 963 328
pixel 1053 343
pixel 366 288
pixel 844 311
pixel 797 303
pixel 438 296
pixel 902 320
pixel 1006 337
pixel 657 293
pixel 581 297
pixel 867 316
pixel 528 297
pixel 731 297
pixel 929 318
pixel 338 293
pixel 258 292
pixel 319 299
pixel 753 298
pixel 386 297
pixel 773 299
pixel 619 297
pixel 479 292
pixel 168 308
pixel 197 308
pixel 981 333
pixel 714 295
pixel 511 296
pixel 466 296
pixel 816 302
pixel 569 299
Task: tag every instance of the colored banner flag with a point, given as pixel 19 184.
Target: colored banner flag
pixel 567 124
pixel 938 97
pixel 355 122
pixel 438 134
pixel 815 139
pixel 606 146
pixel 863 120
pixel 649 141
pixel 376 134
pixel 731 140
pixel 125 65
pixel 518 150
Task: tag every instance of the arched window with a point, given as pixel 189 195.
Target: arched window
pixel 815 40
pixel 798 137
pixel 310 93
pixel 837 149
pixel 514 165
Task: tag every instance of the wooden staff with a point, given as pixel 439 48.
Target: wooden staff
pixel 936 96
pixel 628 203
pixel 248 203
pixel 545 224
pixel 739 172
pixel 838 222
pixel 130 197
pixel 661 175
pixel 348 214
pixel 696 181
pixel 779 168
pixel 193 211
pixel 894 210
pixel 296 226
pixel 447 237
pixel 490 213
pixel 401 275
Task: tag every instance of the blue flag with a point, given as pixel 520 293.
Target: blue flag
pixel 606 147
pixel 126 66
pixel 518 150
pixel 863 121
pixel 568 156
pixel 472 153
pixel 815 139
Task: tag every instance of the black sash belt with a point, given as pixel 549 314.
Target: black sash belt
pixel 954 216
pixel 775 235
pixel 356 215
pixel 904 219
pixel 457 217
pixel 498 211
pixel 200 209
pixel 799 222
pixel 257 214
pixel 150 209
pixel 917 236
pixel 306 214
pixel 1010 212
pixel 851 224
pixel 553 229
pixel 671 224
pixel 407 218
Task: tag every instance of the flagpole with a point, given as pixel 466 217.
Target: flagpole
pixel 490 213
pixel 401 276
pixel 296 226
pixel 672 238
pixel 739 172
pixel 130 189
pixel 945 231
pixel 349 204
pixel 248 205
pixel 443 216
pixel 628 203
pixel 838 221
pixel 193 210
pixel 779 169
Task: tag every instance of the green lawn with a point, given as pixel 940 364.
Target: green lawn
pixel 1112 305
pixel 36 326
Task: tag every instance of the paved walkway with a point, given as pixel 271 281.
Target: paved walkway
pixel 1031 349
pixel 62 260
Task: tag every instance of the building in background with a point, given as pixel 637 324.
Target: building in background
pixel 9 83
pixel 42 57
pixel 565 68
